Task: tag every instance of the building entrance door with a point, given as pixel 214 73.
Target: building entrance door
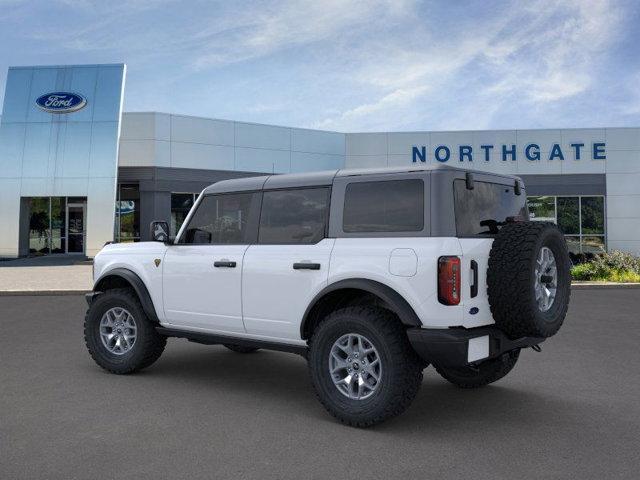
pixel 76 230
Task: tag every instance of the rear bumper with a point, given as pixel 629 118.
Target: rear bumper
pixel 457 347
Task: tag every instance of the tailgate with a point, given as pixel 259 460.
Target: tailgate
pixel 474 299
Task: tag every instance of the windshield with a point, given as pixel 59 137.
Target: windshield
pixel 484 209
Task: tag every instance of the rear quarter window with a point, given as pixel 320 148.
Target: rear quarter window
pixel 384 206
pixel 481 211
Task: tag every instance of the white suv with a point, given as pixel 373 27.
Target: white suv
pixel 372 275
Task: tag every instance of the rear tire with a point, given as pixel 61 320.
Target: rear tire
pixel 118 313
pixel 241 348
pixel 376 334
pixel 483 374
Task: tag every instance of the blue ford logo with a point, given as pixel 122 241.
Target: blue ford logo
pixel 61 102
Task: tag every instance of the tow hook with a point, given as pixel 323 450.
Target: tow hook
pixel 536 348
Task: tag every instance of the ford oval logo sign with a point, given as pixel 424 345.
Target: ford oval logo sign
pixel 61 102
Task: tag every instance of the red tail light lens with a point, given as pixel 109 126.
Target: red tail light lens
pixel 449 280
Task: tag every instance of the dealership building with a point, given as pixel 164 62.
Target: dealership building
pixel 76 171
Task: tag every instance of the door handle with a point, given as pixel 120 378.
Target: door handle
pixel 474 271
pixel 225 264
pixel 306 266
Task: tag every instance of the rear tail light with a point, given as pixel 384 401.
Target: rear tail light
pixel 449 280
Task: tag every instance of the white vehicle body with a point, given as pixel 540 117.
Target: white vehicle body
pixel 264 297
pixel 372 276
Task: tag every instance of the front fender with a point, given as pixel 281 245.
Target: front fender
pixel 135 282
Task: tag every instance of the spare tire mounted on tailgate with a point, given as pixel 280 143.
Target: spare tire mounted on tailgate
pixel 528 279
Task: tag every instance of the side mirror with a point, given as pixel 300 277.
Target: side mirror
pixel 160 231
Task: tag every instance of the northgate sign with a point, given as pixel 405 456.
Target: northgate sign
pixel 531 152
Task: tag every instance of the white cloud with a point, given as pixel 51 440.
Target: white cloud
pixel 286 24
pixel 398 98
pixel 349 64
pixel 542 52
pixel 550 58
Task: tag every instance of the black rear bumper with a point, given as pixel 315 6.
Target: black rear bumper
pixel 450 347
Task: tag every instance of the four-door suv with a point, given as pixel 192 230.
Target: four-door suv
pixel 372 275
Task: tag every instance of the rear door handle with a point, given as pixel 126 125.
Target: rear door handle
pixel 474 271
pixel 306 266
pixel 225 264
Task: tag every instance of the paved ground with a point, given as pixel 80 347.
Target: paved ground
pixel 52 274
pixel 204 412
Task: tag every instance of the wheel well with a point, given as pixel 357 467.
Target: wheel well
pixel 337 299
pixel 112 281
pixel 124 278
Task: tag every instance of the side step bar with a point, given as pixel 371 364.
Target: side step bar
pixel 215 339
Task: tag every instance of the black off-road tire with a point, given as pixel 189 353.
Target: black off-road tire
pixel 148 346
pixel 401 374
pixel 240 348
pixel 483 374
pixel 511 279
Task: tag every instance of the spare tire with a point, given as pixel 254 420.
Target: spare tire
pixel 528 279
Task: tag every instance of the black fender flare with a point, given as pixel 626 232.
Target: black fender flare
pixel 396 302
pixel 138 286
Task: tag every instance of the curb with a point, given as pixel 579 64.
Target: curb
pixel 602 285
pixel 41 293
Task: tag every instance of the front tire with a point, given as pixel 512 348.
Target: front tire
pixel 119 336
pixel 362 366
pixel 483 374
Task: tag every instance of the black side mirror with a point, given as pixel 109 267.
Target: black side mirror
pixel 160 231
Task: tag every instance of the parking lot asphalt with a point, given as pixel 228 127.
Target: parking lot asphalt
pixel 572 411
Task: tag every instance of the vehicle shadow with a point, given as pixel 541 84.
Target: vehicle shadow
pixel 281 380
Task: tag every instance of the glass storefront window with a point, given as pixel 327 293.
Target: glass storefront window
pixel 569 215
pixel 582 219
pixel 592 244
pixel 58 225
pixel 542 209
pixel 592 215
pixel 48 225
pixel 181 203
pixel 573 243
pixel 127 226
pixel 39 228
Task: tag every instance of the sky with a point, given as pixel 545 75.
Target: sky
pixel 351 66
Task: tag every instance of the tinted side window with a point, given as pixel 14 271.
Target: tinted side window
pixel 386 206
pixel 294 216
pixel 220 219
pixel 485 208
